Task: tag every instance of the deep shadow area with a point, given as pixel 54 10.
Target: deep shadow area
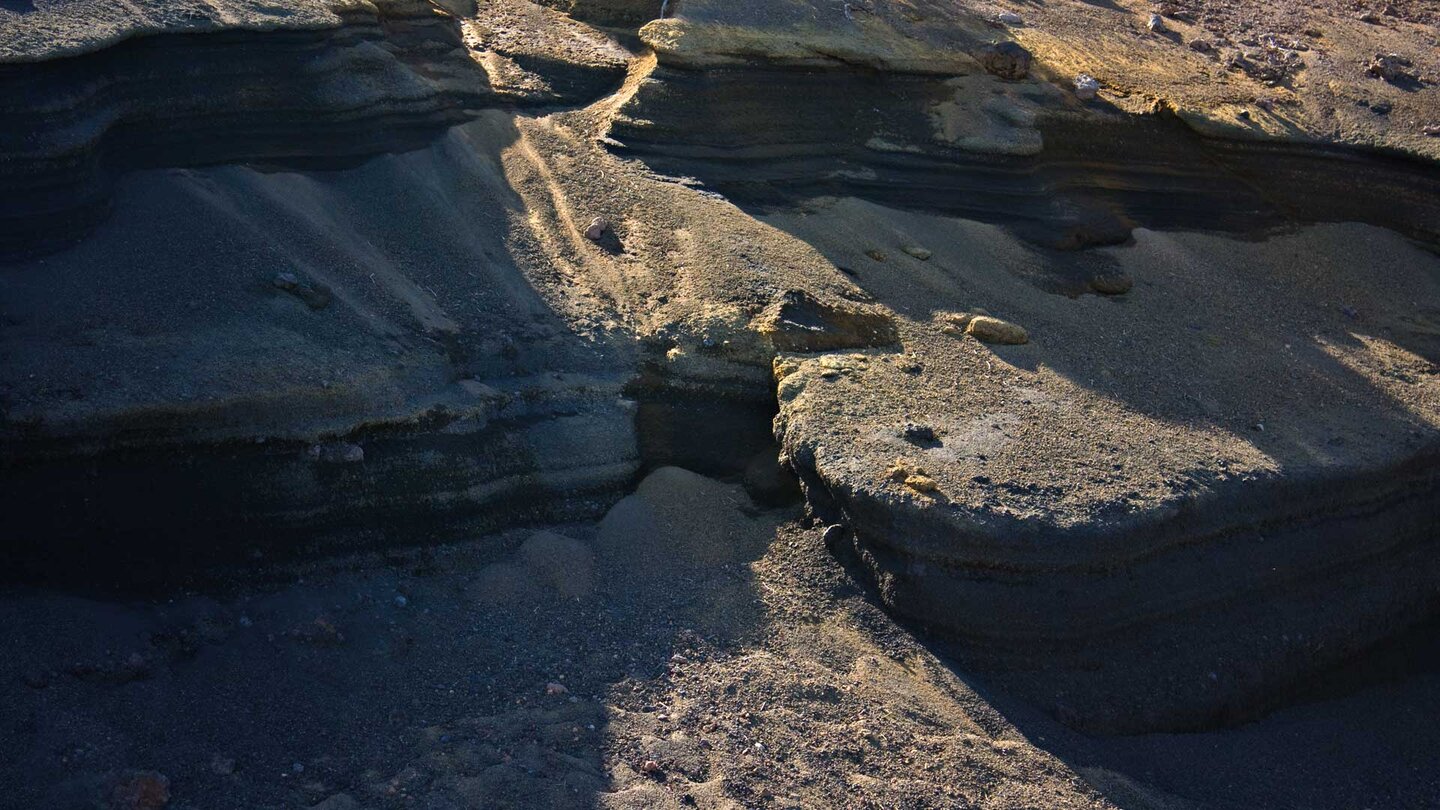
pixel 1358 736
pixel 482 671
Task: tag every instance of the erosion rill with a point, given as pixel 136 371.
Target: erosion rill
pixel 303 276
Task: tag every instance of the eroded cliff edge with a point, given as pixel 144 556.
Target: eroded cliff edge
pixel 1209 472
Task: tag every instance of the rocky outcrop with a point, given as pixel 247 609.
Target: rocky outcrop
pixel 1011 153
pixel 478 459
pixel 1161 512
pixel 380 79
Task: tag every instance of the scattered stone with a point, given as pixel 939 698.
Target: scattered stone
pixel 554 688
pixel 877 255
pixel 954 323
pixel 1381 107
pixel 922 483
pixel 1008 60
pixel 1009 18
pixel 650 767
pixel 1392 67
pixel 912 477
pixel 286 281
pixel 1369 17
pixel 297 767
pixel 1431 131
pixel 1270 64
pixel 400 600
pixel 1086 87
pixel 1111 283
pixel 141 790
pixel 1202 46
pixel 995 330
pixel 336 453
pixel 917 252
pixel 222 765
pixel 1174 12
pixel 1156 24
pixel 833 534
pixel 596 231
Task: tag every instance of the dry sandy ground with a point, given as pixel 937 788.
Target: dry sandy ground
pixel 688 650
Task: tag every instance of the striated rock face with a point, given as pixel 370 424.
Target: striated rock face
pixel 1162 511
pixel 379 79
pixel 215 413
pixel 1144 420
pixel 1021 155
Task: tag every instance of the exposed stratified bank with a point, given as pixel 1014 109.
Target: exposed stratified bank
pixel 326 281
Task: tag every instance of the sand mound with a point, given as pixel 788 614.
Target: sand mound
pixel 679 519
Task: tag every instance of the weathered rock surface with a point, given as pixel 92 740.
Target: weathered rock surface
pixel 1150 511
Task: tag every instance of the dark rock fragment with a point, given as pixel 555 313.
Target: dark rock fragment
pixel 1392 67
pixel 915 433
pixel 1008 60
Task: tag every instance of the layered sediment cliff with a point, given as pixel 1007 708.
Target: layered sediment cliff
pixel 382 273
